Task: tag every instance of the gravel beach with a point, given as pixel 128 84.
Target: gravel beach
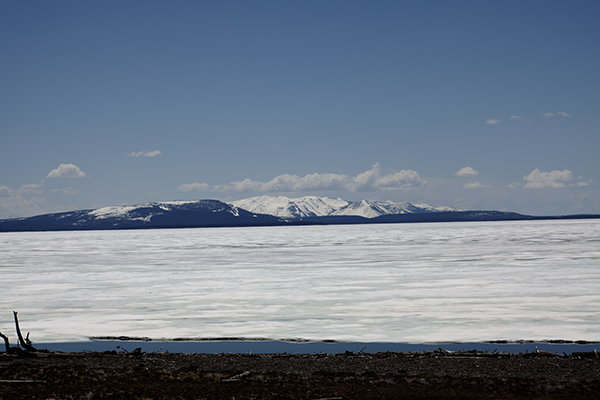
pixel 390 375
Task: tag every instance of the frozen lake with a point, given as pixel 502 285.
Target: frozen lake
pixel 410 283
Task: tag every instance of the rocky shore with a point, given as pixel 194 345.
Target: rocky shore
pixel 434 374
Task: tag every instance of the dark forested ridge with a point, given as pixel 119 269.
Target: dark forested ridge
pixel 214 213
pixel 202 213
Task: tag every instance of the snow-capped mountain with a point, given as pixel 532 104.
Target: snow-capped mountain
pixel 372 209
pixel 312 206
pixel 146 212
pixel 170 214
pixel 284 207
pixel 256 211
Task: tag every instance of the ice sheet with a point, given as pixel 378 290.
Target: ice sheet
pixel 411 283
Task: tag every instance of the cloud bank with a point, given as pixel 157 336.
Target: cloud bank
pixel 372 180
pixel 145 154
pixel 31 188
pixel 67 191
pixel 66 171
pixel 550 179
pixel 12 204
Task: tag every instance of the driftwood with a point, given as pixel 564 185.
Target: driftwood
pixel 6 343
pixel 25 343
pixel 237 377
pixel 12 350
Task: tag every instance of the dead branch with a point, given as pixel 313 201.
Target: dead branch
pixel 6 342
pixel 25 343
pixel 12 350
pixel 236 378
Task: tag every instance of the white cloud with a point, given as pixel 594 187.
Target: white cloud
pixel 32 188
pixel 145 154
pixel 190 187
pixel 68 191
pixel 475 185
pixel 372 180
pixel 560 113
pixel 466 171
pixel 6 192
pixel 12 204
pixel 66 171
pixel 493 121
pixel 579 184
pixel 515 117
pixel 403 180
pixel 547 179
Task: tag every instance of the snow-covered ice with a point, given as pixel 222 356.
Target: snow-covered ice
pixel 466 282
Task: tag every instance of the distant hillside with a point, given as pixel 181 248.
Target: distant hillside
pixel 173 214
pixel 281 206
pixel 312 206
pixel 214 213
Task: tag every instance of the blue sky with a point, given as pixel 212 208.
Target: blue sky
pixel 471 104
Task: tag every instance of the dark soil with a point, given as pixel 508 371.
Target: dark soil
pixel 424 375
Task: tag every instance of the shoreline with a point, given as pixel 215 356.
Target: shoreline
pixel 350 375
pixel 301 346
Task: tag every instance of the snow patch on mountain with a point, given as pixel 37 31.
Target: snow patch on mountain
pixel 372 209
pixel 428 208
pixel 113 212
pixel 312 206
pixel 284 207
pixel 145 211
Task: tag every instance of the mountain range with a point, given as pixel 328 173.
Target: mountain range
pixel 255 211
pixel 312 206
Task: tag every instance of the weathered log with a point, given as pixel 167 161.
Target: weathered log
pixel 12 350
pixel 25 343
pixel 236 378
pixel 6 343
